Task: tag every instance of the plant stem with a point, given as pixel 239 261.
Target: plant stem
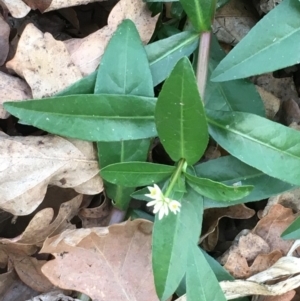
pixel 203 58
pixel 175 177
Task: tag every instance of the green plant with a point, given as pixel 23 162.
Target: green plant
pixel 115 107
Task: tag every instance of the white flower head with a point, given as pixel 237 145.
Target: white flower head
pixel 155 193
pixel 161 204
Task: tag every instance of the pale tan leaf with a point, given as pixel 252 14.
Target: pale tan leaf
pixel 86 53
pixel 58 4
pixel 112 263
pixel 44 63
pixel 29 164
pixel 12 89
pixel 17 8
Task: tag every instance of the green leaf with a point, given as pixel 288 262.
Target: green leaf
pixel 123 72
pixel 216 190
pixel 126 71
pixel 238 95
pixel 258 142
pixel 200 13
pixel 133 174
pixel 270 45
pixel 170 241
pixel 179 115
pixel 98 117
pixel 164 54
pixel 201 282
pixel 293 230
pixel 230 170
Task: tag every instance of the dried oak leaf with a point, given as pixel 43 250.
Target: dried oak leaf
pixel 12 89
pixel 272 225
pixel 112 263
pixel 29 164
pixel 86 53
pixel 43 62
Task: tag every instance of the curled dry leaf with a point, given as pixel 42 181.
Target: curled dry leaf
pixel 211 220
pixel 43 62
pixel 112 263
pixel 86 53
pixel 97 216
pixel 12 89
pixel 29 164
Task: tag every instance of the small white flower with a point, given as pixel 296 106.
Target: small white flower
pixel 174 206
pixel 155 193
pixel 161 204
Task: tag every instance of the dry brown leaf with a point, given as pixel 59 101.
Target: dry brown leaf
pixel 271 102
pixel 264 261
pixel 236 259
pixel 44 63
pixel 96 216
pixel 283 88
pixel 119 254
pixel 29 271
pixel 29 164
pixel 211 220
pixel 272 225
pixel 86 53
pixel 41 5
pixel 12 89
pixel 233 21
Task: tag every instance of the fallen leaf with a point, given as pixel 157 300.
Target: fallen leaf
pixel 58 4
pixel 17 8
pixel 40 5
pixel 285 297
pixel 86 53
pixel 211 220
pixel 96 216
pixel 271 102
pixel 12 89
pixel 29 164
pixel 43 62
pixel 29 271
pixel 272 225
pixel 120 254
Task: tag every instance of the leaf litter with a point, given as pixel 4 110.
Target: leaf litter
pixel 110 262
